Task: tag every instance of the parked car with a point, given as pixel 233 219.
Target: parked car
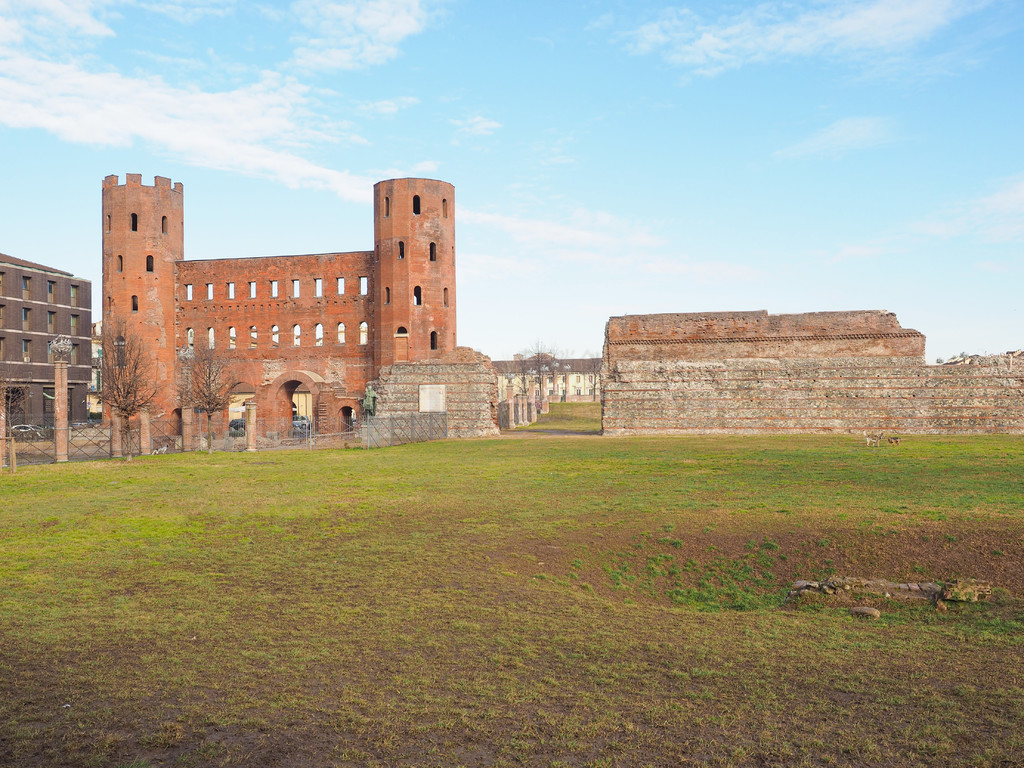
pixel 29 432
pixel 236 428
pixel 301 426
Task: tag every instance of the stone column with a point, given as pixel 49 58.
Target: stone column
pixel 3 436
pixel 115 435
pixel 145 434
pixel 60 409
pixel 250 427
pixel 187 429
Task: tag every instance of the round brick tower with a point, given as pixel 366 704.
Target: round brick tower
pixel 414 280
pixel 143 235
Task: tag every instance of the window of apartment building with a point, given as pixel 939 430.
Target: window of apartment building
pixel 209 291
pixel 341 286
pixel 26 319
pixel 188 291
pixel 252 289
pixel 74 354
pixel 318 335
pixel 26 287
pixel 296 336
pixel 74 324
pixel 1 283
pixel 74 296
pixel 341 333
pixel 295 289
pixel 26 350
pixel 51 322
pixel 231 290
pixel 1 317
pixel 318 287
pixel 275 334
pixel 364 333
pixel 231 337
pixel 3 348
pixel 50 288
pixel 364 286
pixel 273 289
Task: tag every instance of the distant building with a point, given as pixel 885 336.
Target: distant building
pixel 38 303
pixel 574 379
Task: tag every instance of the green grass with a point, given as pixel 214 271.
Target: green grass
pixel 578 418
pixel 566 601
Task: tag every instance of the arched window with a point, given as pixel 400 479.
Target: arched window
pixel 135 222
pixel 446 297
pixel 433 339
pixel 120 263
pixel 163 225
pixel 190 335
pixel 341 333
pixel 402 331
pixel 444 208
pixel 364 333
pixel 416 205
pixel 433 251
pixel 387 295
pixel 135 303
pixel 417 296
pixel 209 334
pixel 149 263
pixel 108 222
pixel 275 335
pixel 231 337
pixel 387 206
pixel 253 333
pixel 296 336
pixel 318 334
pixel 401 249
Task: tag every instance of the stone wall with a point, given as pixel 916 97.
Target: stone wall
pixel 806 389
pixel 471 390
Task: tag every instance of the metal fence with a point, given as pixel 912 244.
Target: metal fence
pixel 401 428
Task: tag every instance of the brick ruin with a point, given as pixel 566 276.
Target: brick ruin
pixel 751 372
pixel 323 324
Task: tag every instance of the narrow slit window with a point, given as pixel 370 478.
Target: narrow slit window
pixel 444 208
pixel 163 225
pixel 416 205
pixel 364 333
pixel 252 289
pixel 387 295
pixel 341 333
pixel 190 336
pixel 149 263
pixel 231 337
pixel 108 222
pixel 446 297
pixel 74 295
pixel 209 337
pixel 318 287
pixel 231 290
pixel 295 289
pixel 401 250
pixel 364 286
pixel 120 263
pixel 275 335
pixel 341 286
pixel 209 291
pixel 433 339
pixel 135 303
pixel 253 336
pixel 188 292
pixel 296 336
pixel 318 334
pixel 433 251
pixel 135 222
pixel 387 206
pixel 273 289
pixel 417 296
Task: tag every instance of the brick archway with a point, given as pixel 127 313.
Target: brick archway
pixel 274 400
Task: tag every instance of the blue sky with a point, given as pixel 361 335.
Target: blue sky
pixel 609 157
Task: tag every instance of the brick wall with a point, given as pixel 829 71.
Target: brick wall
pixel 747 389
pixel 471 388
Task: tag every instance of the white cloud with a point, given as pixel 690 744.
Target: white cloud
pixel 389 106
pixel 244 130
pixel 772 30
pixel 54 20
pixel 355 34
pixel 477 126
pixel 848 133
pixel 994 218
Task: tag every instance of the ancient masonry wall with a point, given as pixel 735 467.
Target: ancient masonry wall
pixel 471 390
pixel 830 372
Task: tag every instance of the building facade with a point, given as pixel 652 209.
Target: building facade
pixel 304 334
pixel 38 303
pixel 551 378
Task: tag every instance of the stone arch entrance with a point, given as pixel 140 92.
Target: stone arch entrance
pixel 293 394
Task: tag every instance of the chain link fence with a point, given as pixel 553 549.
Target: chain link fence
pixel 401 428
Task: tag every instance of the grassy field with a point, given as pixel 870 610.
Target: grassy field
pixel 579 418
pixel 569 601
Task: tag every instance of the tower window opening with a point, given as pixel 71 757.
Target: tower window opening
pixel 364 286
pixel 149 263
pixel 273 289
pixel 318 286
pixel 120 263
pixel 433 251
pixel 163 225
pixel 231 290
pixel 135 222
pixel 446 297
pixel 253 336
pixel 318 334
pixel 209 338
pixel 295 289
pixel 387 206
pixel 231 337
pixel 401 249
pixel 252 289
pixel 387 295
pixel 341 333
pixel 135 303
pixel 416 205
pixel 209 291
pixel 190 336
pixel 402 331
pixel 417 296
pixel 108 222
pixel 188 290
pixel 341 286
pixel 275 334
pixel 433 339
pixel 364 333
pixel 296 336
pixel 444 208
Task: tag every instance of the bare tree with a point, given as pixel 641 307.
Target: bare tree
pixel 129 382
pixel 206 382
pixel 591 366
pixel 541 362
